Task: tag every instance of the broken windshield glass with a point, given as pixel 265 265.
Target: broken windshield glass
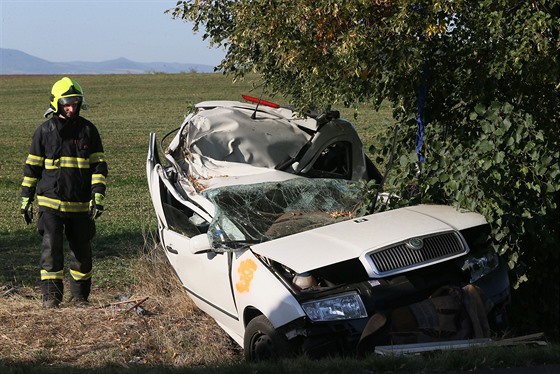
pixel 260 212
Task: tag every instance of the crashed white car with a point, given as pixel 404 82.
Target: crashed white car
pixel 261 215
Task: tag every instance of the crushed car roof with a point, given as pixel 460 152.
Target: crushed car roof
pixel 280 112
pixel 233 134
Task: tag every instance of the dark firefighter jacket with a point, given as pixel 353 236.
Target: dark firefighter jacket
pixel 65 166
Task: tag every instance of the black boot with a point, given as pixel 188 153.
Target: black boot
pixel 80 290
pixel 52 290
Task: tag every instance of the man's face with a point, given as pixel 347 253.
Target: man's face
pixel 69 109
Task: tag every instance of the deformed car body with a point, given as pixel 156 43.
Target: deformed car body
pixel 261 215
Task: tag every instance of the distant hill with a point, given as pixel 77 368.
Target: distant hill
pixel 13 62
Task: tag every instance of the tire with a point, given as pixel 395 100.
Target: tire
pixel 263 342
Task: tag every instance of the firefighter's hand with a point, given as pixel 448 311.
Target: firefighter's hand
pixel 96 205
pixel 27 209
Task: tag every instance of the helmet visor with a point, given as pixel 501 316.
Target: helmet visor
pixel 70 100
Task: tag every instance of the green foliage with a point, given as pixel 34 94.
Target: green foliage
pixel 506 170
pixel 492 71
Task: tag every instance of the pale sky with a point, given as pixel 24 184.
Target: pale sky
pixel 100 30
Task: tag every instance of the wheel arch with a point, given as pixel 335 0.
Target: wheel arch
pixel 250 313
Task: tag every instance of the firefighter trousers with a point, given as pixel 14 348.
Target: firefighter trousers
pixel 79 230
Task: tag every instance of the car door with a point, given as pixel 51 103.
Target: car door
pixel 205 274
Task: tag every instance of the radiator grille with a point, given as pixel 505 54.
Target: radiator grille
pixel 400 256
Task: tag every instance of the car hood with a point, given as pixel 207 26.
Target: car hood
pixel 349 239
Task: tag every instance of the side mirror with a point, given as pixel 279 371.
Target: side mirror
pixel 200 244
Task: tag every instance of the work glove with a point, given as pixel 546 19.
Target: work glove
pixel 27 209
pixel 96 205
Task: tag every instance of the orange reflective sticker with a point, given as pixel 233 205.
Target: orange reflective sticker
pixel 246 269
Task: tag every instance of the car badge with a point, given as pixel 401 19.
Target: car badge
pixel 415 244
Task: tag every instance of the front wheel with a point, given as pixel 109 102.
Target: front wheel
pixel 263 342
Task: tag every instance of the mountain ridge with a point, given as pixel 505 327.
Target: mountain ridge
pixel 16 62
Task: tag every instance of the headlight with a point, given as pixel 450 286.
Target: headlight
pixel 340 307
pixel 479 267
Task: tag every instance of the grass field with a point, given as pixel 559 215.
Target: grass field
pixel 125 108
pixel 108 337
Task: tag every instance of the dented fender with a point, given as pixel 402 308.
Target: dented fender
pixel 255 287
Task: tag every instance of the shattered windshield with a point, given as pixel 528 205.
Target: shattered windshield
pixel 260 212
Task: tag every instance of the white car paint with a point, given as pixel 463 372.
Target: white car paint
pixel 256 287
pixel 355 238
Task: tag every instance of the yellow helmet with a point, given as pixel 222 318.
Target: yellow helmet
pixel 64 91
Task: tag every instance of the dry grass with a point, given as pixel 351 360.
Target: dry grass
pixel 189 337
pixel 171 333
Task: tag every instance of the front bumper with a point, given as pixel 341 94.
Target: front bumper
pixel 452 312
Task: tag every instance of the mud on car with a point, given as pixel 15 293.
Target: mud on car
pixel 261 214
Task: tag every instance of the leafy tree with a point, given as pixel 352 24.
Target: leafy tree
pixel 484 76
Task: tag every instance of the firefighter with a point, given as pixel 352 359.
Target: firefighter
pixel 66 170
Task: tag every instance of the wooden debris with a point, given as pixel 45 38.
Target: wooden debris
pixel 131 304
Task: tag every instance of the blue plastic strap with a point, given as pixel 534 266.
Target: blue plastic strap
pixel 422 94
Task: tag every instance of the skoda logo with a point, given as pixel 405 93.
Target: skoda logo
pixel 415 244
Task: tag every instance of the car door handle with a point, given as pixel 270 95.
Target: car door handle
pixel 170 249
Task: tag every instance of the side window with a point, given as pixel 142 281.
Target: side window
pixel 183 220
pixel 334 161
